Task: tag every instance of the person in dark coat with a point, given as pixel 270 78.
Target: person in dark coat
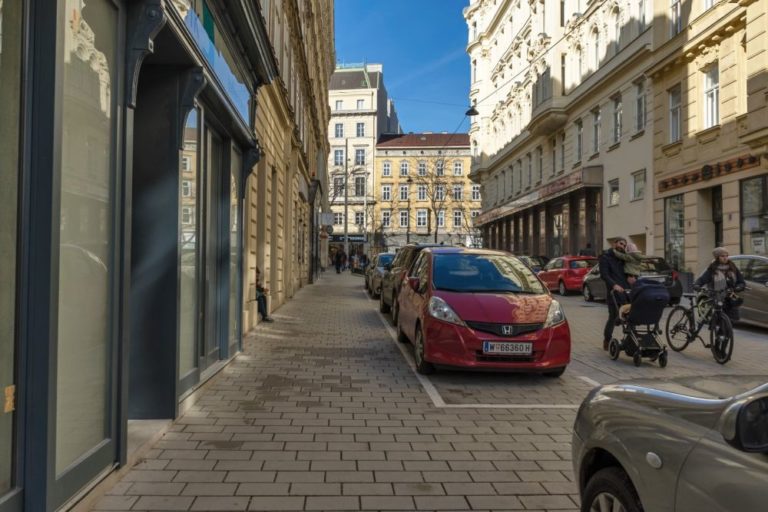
pixel 587 251
pixel 261 298
pixel 338 260
pixel 616 283
pixel 723 274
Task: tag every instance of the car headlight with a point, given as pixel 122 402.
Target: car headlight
pixel 440 309
pixel 555 315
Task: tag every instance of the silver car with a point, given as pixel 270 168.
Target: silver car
pixel 755 270
pixel 682 445
pixel 375 272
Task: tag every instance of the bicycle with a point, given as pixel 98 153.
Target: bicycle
pixel 683 327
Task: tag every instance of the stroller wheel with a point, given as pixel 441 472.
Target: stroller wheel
pixel 637 359
pixel 663 359
pixel 614 349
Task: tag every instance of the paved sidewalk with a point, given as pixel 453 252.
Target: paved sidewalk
pixel 322 412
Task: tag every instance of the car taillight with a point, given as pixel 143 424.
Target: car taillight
pixel 674 275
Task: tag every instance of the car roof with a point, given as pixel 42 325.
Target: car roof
pixel 466 250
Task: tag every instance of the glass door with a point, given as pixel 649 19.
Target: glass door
pixel 213 296
pixel 235 294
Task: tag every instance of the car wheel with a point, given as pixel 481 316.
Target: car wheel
pixel 555 373
pixel 610 490
pixel 422 366
pixel 401 337
pixel 562 289
pixel 383 307
pixel 587 294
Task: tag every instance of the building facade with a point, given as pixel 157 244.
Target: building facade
pixel 562 144
pixel 710 77
pixel 130 134
pixel 423 191
pixel 361 110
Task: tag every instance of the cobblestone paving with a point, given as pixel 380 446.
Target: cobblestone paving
pixel 322 412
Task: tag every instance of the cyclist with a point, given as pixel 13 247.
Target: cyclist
pixel 723 274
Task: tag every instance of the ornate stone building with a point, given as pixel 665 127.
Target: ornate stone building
pixel 424 193
pixel 710 77
pixel 562 143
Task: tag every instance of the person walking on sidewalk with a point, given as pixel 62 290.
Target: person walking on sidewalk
pixel 338 260
pixel 261 298
pixel 616 283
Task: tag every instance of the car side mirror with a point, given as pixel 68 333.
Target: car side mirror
pixel 414 283
pixel 744 425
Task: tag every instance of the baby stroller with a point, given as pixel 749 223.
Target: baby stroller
pixel 640 322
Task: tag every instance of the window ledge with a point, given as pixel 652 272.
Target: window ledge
pixel 576 164
pixel 637 199
pixel 594 155
pixel 708 134
pixel 615 145
pixel 612 205
pixel 637 135
pixel 672 148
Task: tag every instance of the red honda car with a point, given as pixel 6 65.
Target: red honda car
pixel 481 309
pixel 566 273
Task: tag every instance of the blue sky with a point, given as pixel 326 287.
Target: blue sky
pixel 422 45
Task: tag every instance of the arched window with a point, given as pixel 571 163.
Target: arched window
pixel 595 49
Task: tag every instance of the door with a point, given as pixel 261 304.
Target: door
pixel 410 303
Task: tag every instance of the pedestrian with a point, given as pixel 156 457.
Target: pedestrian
pixel 587 251
pixel 723 274
pixel 616 284
pixel 338 260
pixel 261 298
pixel 633 260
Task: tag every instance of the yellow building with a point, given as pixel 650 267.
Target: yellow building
pixel 709 77
pixel 423 191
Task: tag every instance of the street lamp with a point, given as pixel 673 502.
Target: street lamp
pixel 408 221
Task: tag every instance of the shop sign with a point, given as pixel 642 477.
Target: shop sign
pixel 352 238
pixel 708 172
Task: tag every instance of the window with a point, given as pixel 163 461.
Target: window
pixel 596 131
pixel 519 176
pixel 580 61
pixel 562 152
pixel 359 218
pixel 186 188
pixel 640 107
pixel 641 15
pixel 403 168
pixel 422 168
pixel 339 130
pixel 422 192
pixel 386 192
pixel 185 164
pixel 387 169
pixel 674 231
pixel 457 215
pixel 675 114
pixel 754 220
pixel 613 192
pixel 187 215
pixel 540 163
pixel 617 113
pixel 579 140
pixel 421 218
pixel 616 31
pixel 359 186
pixel 386 218
pixel 440 168
pixel 338 218
pixel 475 192
pixel 596 49
pixel 458 168
pixel 708 4
pixel 360 105
pixel 712 96
pixel 339 105
pixel 553 145
pixel 338 157
pixel 638 185
pixel 361 129
pixel 473 78
pixel 562 13
pixel 675 17
pixel 475 213
pixel 338 186
pixel 457 192
pixel 440 193
pixel 563 70
pixel 530 170
pixel 403 192
pixel 441 218
pixel 403 218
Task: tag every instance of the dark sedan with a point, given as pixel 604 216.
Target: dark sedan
pixel 375 272
pixel 654 268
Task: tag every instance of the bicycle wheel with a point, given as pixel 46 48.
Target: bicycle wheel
pixel 721 337
pixel 679 328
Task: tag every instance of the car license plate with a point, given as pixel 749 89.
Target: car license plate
pixel 511 348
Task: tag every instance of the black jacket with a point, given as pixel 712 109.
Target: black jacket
pixel 735 279
pixel 612 270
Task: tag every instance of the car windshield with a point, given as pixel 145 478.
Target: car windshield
pixel 654 265
pixel 583 263
pixel 479 273
pixel 385 259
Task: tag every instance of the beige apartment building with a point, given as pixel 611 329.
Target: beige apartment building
pixel 562 145
pixel 424 193
pixel 710 80
pixel 288 191
pixel 361 110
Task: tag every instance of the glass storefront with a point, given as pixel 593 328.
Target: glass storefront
pixel 86 234
pixel 234 256
pixel 189 248
pixel 10 103
pixel 674 231
pixel 754 215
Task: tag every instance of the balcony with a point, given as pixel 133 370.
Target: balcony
pixel 548 116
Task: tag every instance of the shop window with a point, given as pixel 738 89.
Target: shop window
pixel 754 215
pixel 674 231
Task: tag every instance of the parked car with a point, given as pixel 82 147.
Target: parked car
pixel 375 272
pixel 535 263
pixel 392 279
pixel 593 287
pixel 755 270
pixel 482 309
pixel 680 445
pixel 566 273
